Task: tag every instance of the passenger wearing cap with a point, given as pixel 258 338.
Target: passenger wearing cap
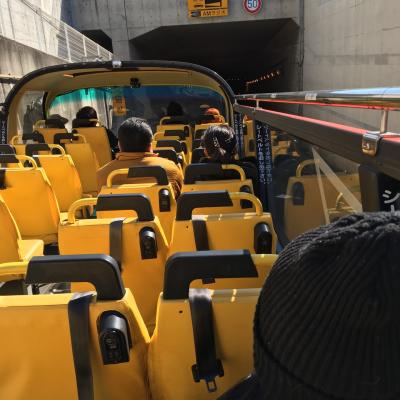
pixel 134 138
pixel 327 324
pixel 220 146
pixel 56 121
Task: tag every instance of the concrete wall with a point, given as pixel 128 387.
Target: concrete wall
pixel 19 60
pixel 351 44
pixel 126 20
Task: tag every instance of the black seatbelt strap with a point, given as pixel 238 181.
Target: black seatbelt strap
pixel 207 366
pixel 200 234
pixel 2 179
pixel 78 315
pixel 116 240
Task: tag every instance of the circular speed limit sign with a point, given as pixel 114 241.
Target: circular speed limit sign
pixel 252 6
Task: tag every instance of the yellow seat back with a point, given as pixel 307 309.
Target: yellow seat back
pixel 304 209
pixel 144 276
pixel 60 170
pixel 253 231
pixel 86 164
pixel 160 194
pixel 97 137
pixel 38 360
pixel 172 346
pixel 32 202
pixel 196 176
pixel 10 236
pixel 64 178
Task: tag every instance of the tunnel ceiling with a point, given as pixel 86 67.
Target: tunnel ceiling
pixel 234 49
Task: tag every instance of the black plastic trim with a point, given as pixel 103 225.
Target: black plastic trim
pixel 31 149
pixel 63 136
pixel 167 153
pixel 8 159
pixel 197 155
pixel 139 203
pixel 176 144
pixel 189 201
pixel 35 136
pixel 183 268
pixel 6 149
pixel 196 144
pixel 195 172
pixel 99 269
pixel 154 171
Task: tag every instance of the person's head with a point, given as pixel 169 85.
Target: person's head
pixel 219 143
pixel 86 113
pixel 327 320
pixel 174 109
pixel 135 135
pixel 215 113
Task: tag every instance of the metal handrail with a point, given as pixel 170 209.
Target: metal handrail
pixel 44 32
pixel 385 98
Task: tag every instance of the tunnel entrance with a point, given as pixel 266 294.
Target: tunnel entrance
pixel 241 52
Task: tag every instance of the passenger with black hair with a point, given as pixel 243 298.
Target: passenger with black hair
pixel 174 109
pixel 135 142
pixel 86 117
pixel 220 146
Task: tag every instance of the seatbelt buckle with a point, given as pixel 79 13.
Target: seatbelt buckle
pixel 217 370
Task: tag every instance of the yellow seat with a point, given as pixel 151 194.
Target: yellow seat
pixel 139 244
pixel 168 124
pixel 226 314
pixel 97 137
pixel 160 193
pixel 86 164
pixel 60 170
pixel 32 202
pixel 38 361
pixel 196 176
pixel 12 246
pixel 43 127
pixel 253 230
pixel 170 154
pixel 180 147
pixel 304 208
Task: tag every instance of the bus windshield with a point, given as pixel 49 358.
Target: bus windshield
pixel 115 104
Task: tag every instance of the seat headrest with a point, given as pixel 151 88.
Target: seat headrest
pixel 54 123
pixel 99 269
pixel 183 268
pixel 84 123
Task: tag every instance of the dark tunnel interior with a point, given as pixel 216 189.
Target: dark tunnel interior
pixel 240 52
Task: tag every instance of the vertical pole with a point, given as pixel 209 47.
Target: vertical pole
pixel 67 43
pixel 384 121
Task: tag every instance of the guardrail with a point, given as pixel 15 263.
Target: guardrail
pixel 27 24
pixel 384 99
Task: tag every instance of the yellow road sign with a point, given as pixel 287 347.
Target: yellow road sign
pixel 207 8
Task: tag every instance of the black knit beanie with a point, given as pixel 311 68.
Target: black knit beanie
pixel 327 323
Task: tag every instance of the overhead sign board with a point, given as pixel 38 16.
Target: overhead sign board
pixel 207 8
pixel 252 6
